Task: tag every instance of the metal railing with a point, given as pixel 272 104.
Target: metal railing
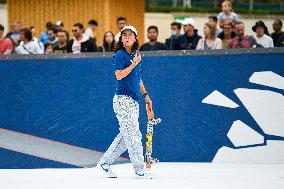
pixel 249 5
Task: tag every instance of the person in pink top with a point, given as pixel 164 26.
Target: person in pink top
pixel 81 42
pixel 6 45
pixel 242 40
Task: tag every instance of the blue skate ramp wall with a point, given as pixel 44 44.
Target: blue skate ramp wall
pixel 69 100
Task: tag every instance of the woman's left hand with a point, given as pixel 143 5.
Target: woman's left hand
pixel 149 108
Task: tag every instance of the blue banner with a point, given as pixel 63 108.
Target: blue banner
pixel 66 104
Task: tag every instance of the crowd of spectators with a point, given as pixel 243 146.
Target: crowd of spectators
pixel 220 32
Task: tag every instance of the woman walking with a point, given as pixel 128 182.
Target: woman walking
pixel 129 89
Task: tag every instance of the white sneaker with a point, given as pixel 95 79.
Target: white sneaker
pixel 106 170
pixel 143 175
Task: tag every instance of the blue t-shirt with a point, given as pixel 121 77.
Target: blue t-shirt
pixel 130 85
pixel 43 38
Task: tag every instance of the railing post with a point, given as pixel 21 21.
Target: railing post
pixel 187 3
pixel 251 5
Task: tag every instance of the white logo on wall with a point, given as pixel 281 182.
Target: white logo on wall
pixel 267 109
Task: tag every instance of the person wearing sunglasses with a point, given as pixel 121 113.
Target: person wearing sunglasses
pixel 227 34
pixel 81 42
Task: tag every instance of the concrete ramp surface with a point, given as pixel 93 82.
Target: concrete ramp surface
pixel 49 149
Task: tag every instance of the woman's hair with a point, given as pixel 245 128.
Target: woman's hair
pixel 46 45
pixel 212 27
pixel 134 48
pixel 105 44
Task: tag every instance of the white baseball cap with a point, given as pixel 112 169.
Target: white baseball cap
pixel 188 21
pixel 129 28
pixel 59 23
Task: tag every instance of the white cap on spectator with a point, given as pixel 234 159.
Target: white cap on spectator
pixel 58 23
pixel 178 21
pixel 129 28
pixel 188 21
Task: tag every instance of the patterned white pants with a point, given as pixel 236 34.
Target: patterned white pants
pixel 129 138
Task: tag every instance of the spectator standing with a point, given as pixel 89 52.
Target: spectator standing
pixel 227 13
pixel 242 40
pixel 121 22
pixel 15 32
pixel 262 37
pixel 153 44
pixel 227 34
pixel 108 43
pixel 277 27
pixel 189 40
pixel 63 38
pixel 81 42
pixel 210 41
pixel 92 25
pixel 175 33
pixel 28 46
pixel 6 44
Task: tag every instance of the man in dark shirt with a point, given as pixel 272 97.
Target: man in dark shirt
pixel 175 33
pixel 277 26
pixel 63 38
pixel 190 38
pixel 153 44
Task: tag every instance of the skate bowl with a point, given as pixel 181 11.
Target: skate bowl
pixel 220 106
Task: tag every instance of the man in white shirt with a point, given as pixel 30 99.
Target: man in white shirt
pixel 262 37
pixel 121 22
pixel 28 46
pixel 40 44
pixel 92 25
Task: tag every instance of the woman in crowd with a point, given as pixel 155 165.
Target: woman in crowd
pixel 108 44
pixel 209 41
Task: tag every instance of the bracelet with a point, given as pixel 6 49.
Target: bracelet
pixel 145 94
pixel 134 62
